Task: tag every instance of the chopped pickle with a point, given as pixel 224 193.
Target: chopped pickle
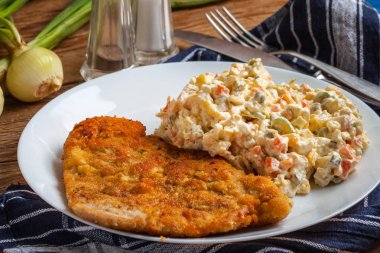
pixel 282 125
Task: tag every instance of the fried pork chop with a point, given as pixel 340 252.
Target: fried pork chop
pixel 118 177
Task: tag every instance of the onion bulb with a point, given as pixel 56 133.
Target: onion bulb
pixel 1 101
pixel 34 74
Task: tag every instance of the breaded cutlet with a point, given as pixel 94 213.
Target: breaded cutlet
pixel 118 177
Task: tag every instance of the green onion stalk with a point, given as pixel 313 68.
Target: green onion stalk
pixel 33 70
pixel 7 8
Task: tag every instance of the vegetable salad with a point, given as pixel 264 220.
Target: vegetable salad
pixel 292 133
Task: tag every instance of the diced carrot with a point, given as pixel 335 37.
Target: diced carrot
pixel 287 114
pixel 357 142
pixel 279 145
pixel 276 108
pixel 347 166
pixel 288 99
pixel 347 152
pixel 286 164
pixel 277 141
pixel 304 103
pixel 271 165
pixel 220 89
pixel 256 150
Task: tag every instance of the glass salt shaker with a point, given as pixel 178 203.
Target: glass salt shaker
pixel 154 39
pixel 111 38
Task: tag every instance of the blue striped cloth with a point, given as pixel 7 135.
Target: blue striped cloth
pixel 344 33
pixel 375 3
pixel 28 224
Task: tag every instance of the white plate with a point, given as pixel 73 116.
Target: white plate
pixel 139 94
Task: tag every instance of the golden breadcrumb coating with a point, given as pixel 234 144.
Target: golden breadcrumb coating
pixel 118 177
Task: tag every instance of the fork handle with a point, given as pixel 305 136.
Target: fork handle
pixel 360 85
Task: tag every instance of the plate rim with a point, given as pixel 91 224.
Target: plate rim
pixel 202 240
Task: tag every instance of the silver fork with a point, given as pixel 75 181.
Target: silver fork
pixel 233 31
pixel 243 37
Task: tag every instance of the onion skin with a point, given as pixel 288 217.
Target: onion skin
pixel 34 74
pixel 1 101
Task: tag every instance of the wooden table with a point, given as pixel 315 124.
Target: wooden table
pixel 35 15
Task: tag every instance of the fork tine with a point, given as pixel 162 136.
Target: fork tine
pixel 245 31
pixel 237 32
pixel 217 28
pixel 228 31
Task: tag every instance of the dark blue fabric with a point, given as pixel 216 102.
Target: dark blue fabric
pixel 28 224
pixel 342 33
pixel 375 3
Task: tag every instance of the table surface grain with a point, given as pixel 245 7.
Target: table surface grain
pixel 36 14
